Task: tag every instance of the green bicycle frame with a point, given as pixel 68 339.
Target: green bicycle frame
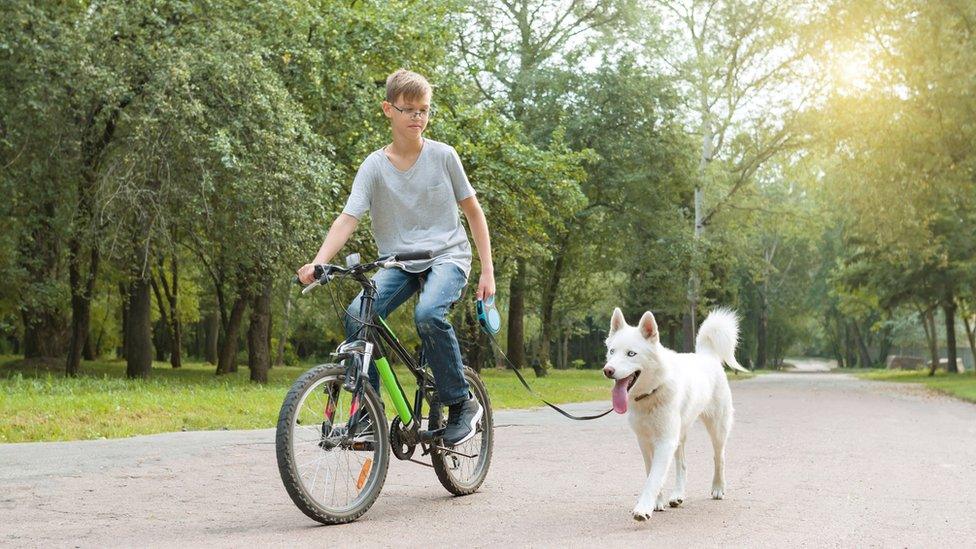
pixel 389 380
pixel 388 377
pixel 382 334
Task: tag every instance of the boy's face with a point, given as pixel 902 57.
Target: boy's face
pixel 408 117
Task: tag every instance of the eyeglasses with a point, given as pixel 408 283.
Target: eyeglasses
pixel 415 114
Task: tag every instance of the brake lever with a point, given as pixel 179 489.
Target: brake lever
pixel 327 277
pixel 311 285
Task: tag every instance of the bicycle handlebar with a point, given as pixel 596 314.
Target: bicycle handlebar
pixel 410 256
pixel 325 273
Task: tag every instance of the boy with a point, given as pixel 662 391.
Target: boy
pixel 413 188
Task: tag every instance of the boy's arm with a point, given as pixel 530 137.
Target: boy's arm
pixel 479 231
pixel 340 231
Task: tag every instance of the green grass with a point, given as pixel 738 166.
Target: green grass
pixel 37 403
pixel 958 385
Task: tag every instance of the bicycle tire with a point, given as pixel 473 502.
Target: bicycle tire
pixel 284 446
pixel 445 463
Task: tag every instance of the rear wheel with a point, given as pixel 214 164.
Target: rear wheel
pixel 463 470
pixel 332 475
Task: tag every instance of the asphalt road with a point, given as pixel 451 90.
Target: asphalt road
pixel 815 459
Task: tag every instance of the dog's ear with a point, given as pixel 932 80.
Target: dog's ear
pixel 648 326
pixel 617 320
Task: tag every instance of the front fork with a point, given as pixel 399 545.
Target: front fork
pixel 357 373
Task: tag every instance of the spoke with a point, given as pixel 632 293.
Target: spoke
pixel 314 433
pixel 348 471
pixel 316 460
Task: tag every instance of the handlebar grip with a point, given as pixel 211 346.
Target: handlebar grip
pixel 409 256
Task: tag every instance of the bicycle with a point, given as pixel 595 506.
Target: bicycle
pixel 332 422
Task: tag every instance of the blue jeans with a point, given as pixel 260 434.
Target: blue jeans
pixel 442 285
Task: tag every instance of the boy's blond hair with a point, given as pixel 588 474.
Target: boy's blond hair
pixel 406 84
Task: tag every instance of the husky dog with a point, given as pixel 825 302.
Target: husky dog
pixel 666 392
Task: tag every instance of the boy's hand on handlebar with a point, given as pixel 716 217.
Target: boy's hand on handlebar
pixel 306 274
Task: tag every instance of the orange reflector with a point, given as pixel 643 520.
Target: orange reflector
pixel 364 473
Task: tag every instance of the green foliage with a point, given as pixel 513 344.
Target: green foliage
pixel 225 135
pixel 963 387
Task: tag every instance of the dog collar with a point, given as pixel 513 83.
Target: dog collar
pixel 645 395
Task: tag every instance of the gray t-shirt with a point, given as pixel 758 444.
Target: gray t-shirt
pixel 415 210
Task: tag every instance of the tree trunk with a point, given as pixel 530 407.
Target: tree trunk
pixel 160 331
pixel 549 293
pixel 93 144
pixel 176 345
pixel 928 321
pixel 44 333
pixel 849 355
pixel 864 357
pixel 124 293
pixel 949 308
pixel 761 331
pixel 836 344
pixel 82 284
pixel 227 361
pixel 139 347
pixel 688 329
pixel 564 354
pixel 516 312
pixel 971 335
pixel 39 257
pixel 88 351
pixel 212 330
pixel 884 345
pixel 172 319
pixel 280 359
pixel 172 316
pixel 694 282
pixel 258 350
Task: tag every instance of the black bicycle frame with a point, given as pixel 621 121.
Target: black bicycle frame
pixel 372 337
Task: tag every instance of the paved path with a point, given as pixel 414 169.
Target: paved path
pixel 811 365
pixel 814 460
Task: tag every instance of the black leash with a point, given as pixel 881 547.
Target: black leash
pixel 491 337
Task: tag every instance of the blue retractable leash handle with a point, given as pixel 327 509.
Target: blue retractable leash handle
pixel 488 315
pixel 491 322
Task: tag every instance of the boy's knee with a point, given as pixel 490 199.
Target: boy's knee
pixel 428 318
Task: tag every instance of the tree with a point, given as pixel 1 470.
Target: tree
pixel 737 60
pixel 901 159
pixel 505 48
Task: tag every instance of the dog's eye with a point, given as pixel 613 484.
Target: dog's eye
pixel 631 353
pixel 611 351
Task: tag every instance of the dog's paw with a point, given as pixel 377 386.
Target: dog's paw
pixel 641 514
pixel 676 501
pixel 661 503
pixel 718 492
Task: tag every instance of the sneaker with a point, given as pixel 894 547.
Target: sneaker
pixel 461 421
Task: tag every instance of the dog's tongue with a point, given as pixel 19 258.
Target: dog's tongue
pixel 620 395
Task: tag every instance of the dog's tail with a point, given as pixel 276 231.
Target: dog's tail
pixel 718 335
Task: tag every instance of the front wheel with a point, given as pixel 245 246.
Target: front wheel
pixel 332 468
pixel 463 470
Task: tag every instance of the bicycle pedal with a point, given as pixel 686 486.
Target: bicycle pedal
pixel 431 435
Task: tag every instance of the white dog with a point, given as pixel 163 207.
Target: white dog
pixel 666 392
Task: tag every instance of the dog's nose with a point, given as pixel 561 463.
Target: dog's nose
pixel 608 371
